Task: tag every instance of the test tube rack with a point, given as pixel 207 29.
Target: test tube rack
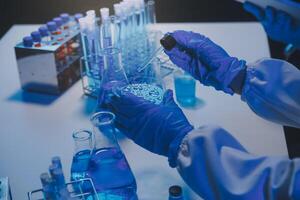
pixel 91 195
pixel 42 69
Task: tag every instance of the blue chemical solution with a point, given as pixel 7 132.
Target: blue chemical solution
pixel 149 92
pixel 110 172
pixel 80 165
pixel 79 170
pixel 185 87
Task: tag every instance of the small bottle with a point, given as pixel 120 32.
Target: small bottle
pixel 75 22
pixel 48 187
pixel 175 193
pixel 59 23
pixel 77 16
pixel 46 39
pixel 27 41
pixel 66 23
pixel 37 38
pixel 53 31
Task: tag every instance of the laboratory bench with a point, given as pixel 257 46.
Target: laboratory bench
pixel 35 127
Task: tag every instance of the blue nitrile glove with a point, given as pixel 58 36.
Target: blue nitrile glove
pixel 157 128
pixel 279 25
pixel 206 61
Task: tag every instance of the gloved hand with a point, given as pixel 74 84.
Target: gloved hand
pixel 157 128
pixel 278 24
pixel 206 61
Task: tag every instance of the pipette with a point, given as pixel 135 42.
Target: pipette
pixel 168 42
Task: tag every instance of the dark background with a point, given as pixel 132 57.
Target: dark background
pixel 41 11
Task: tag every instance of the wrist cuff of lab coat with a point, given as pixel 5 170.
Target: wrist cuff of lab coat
pixel 237 83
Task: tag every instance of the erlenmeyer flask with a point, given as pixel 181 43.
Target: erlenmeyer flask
pixel 114 76
pixel 108 166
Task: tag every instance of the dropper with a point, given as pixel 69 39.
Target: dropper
pixel 168 42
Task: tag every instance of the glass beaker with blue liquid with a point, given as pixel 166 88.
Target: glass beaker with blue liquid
pixel 108 165
pixel 185 88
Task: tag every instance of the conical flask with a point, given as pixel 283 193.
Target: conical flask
pixel 114 76
pixel 108 166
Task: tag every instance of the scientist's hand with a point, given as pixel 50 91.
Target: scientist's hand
pixel 157 128
pixel 206 61
pixel 279 25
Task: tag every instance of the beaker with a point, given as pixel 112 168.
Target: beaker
pixel 108 167
pixel 82 152
pixel 185 88
pixel 114 75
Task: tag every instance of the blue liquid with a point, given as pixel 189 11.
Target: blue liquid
pixel 185 87
pixel 109 170
pixel 80 165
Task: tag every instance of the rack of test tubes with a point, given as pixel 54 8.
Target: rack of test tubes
pixel 49 59
pixel 54 186
pixel 129 30
pixel 74 189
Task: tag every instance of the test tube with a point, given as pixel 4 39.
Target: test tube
pixel 151 14
pixel 48 186
pixel 92 34
pixel 56 161
pixel 91 13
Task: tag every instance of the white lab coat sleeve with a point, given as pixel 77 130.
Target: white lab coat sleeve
pixel 272 91
pixel 217 167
